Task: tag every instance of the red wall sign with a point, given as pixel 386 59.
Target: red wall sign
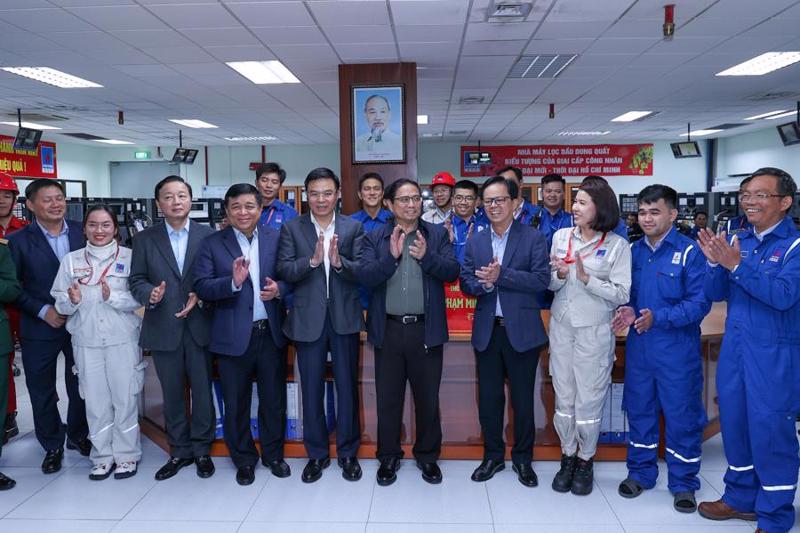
pixel 40 163
pixel 567 160
pixel 460 309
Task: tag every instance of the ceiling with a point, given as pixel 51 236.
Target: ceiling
pixel 162 59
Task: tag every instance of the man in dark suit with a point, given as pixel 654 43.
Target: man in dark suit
pixel 175 329
pixel 235 270
pixel 406 263
pixel 37 250
pixel 318 255
pixel 506 268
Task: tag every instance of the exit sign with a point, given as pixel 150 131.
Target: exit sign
pixel 142 155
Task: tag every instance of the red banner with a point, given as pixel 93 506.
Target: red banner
pixel 39 163
pixel 460 309
pixel 565 159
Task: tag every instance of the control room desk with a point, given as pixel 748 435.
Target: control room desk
pixel 459 401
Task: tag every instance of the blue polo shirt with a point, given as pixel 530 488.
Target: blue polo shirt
pixel 276 214
pixel 462 231
pixel 370 223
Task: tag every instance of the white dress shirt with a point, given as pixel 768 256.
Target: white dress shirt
pixel 179 239
pixel 250 252
pixel 327 235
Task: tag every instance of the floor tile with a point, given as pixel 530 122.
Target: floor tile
pixel 29 482
pixel 179 526
pixel 302 527
pixel 709 527
pixel 548 528
pixel 25 450
pixel 61 526
pixel 429 528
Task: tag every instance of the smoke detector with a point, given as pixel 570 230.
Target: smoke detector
pixel 501 11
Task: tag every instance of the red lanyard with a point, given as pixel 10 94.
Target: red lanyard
pixel 91 268
pixel 569 259
pixel 271 212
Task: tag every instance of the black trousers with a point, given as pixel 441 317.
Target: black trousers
pixel 312 358
pixel 188 435
pixel 40 359
pixel 498 362
pixel 264 359
pixel 403 357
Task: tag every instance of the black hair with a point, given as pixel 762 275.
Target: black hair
pixel 467 184
pixel 511 186
pixel 370 176
pixel 786 184
pixel 170 179
pixel 552 178
pixel 605 203
pixel 107 209
pixel 37 185
pixel 321 173
pixel 698 213
pixel 240 189
pixel 388 106
pixel 271 168
pixel 516 170
pixel 653 193
pixel 391 190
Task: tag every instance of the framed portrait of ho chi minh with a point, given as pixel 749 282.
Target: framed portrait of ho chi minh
pixel 378 127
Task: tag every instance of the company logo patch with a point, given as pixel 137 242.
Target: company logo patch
pixel 676 258
pixel 119 268
pixel 601 253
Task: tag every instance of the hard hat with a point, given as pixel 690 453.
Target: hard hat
pixel 7 183
pixel 443 178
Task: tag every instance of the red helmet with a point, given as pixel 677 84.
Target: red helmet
pixel 443 178
pixel 7 183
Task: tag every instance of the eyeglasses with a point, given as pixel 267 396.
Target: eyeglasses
pixel 759 196
pixel 500 200
pixel 316 195
pixel 459 198
pixel 406 200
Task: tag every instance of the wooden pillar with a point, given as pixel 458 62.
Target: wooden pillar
pixel 375 75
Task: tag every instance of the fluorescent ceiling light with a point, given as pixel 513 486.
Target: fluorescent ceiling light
pixel 111 141
pixel 422 119
pixel 263 72
pixel 630 116
pixel 431 134
pixel 52 76
pixel 541 66
pixel 782 115
pixel 31 125
pixel 248 139
pixel 700 133
pixel 763 64
pixel 192 123
pixel 582 133
pixel 765 115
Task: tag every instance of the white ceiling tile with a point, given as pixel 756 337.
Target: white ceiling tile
pixel 139 71
pixel 79 3
pixel 705 26
pixel 178 54
pixel 493 48
pixel 152 38
pixel 272 14
pixel 240 53
pixel 350 52
pixel 428 12
pixel 315 52
pixel 571 30
pixel 558 46
pixel 11 43
pixel 603 60
pixel 430 54
pixel 486 31
pixel 44 20
pixel 622 46
pixel 522 91
pixel 291 35
pixel 359 34
pixel 344 12
pixel 119 17
pixel 196 16
pixel 581 10
pixel 221 37
pixel 427 33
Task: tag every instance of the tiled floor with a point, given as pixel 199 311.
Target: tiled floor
pixel 68 502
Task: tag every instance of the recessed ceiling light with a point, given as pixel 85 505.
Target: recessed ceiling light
pixel 765 115
pixel 422 119
pixel 630 116
pixel 582 133
pixel 763 64
pixel 783 115
pixel 700 133
pixel 111 141
pixel 541 66
pixel 192 123
pixel 32 125
pixel 250 139
pixel 52 76
pixel 264 72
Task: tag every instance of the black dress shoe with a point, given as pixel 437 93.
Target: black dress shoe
pixel 82 446
pixel 430 472
pixel 387 473
pixel 171 468
pixel 52 461
pixel 351 470
pixel 12 429
pixel 245 475
pixel 525 474
pixel 313 470
pixel 278 467
pixel 205 466
pixel 6 483
pixel 487 469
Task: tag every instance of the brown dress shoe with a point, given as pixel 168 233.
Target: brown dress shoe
pixel 719 510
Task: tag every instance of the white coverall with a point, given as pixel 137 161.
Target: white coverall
pixel 581 341
pixel 108 360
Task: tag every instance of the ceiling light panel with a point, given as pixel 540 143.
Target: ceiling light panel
pixel 632 116
pixel 541 66
pixel 783 115
pixel 765 115
pixel 251 139
pixel 264 72
pixel 422 119
pixel 763 64
pixel 193 123
pixel 700 133
pixel 32 125
pixel 52 76
pixel 111 141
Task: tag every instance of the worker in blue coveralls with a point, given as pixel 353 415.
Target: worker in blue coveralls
pixel 372 214
pixel 524 211
pixel 663 368
pixel 758 377
pixel 463 223
pixel 269 178
pixel 553 217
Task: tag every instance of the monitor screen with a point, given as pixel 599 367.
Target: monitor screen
pixel 790 133
pixel 685 149
pixel 180 155
pixel 191 154
pixel 27 139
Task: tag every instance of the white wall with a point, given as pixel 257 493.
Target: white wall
pixel 750 151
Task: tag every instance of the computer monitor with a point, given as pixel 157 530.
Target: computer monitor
pixel 27 139
pixel 790 133
pixel 685 149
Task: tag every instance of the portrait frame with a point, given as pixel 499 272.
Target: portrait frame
pixel 390 140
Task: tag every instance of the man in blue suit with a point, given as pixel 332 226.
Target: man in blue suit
pixel 506 268
pixel 235 269
pixel 37 250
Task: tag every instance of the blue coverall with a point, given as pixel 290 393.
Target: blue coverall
pixel 462 231
pixel 758 377
pixel 663 368
pixel 276 214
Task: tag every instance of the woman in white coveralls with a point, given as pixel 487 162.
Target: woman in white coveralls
pixel 91 289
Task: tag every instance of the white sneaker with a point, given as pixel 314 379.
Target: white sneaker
pixel 125 470
pixel 101 471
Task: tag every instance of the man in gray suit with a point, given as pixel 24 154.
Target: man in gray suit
pixel 318 254
pixel 176 327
